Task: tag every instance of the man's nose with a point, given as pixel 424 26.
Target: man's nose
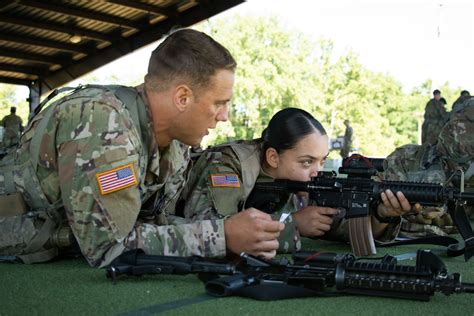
pixel 223 114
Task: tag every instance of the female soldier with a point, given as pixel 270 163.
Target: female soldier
pixel 294 146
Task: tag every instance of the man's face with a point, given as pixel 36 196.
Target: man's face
pixel 207 106
pixel 305 160
pixel 437 97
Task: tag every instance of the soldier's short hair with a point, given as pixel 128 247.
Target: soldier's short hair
pixel 187 55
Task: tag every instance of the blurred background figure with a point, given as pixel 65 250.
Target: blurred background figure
pixel 434 119
pixel 458 104
pixel 13 126
pixel 348 139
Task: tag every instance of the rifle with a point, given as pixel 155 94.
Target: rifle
pixel 310 274
pixel 358 196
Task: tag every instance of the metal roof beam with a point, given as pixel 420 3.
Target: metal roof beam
pixel 34 57
pixel 117 50
pixel 85 14
pixel 146 7
pixel 51 26
pixel 22 39
pixel 23 82
pixel 36 71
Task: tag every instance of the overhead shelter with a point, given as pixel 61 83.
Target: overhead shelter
pixel 46 44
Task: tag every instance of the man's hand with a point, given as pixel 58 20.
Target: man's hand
pixel 394 205
pixel 254 232
pixel 314 221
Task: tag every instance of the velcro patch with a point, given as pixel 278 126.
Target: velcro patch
pixel 230 180
pixel 116 179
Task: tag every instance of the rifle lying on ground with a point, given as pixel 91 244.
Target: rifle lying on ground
pixel 358 196
pixel 310 274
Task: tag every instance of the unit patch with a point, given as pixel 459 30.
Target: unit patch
pixel 116 179
pixel 230 180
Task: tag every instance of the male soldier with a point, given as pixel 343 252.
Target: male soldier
pixel 458 104
pixel 347 145
pixel 13 127
pixel 435 163
pixel 435 117
pixel 106 160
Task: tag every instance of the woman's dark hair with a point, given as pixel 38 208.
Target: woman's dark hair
pixel 287 127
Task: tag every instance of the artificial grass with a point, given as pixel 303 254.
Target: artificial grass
pixel 71 287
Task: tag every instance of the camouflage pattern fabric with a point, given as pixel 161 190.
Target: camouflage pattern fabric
pixel 456 145
pixel 13 126
pixel 460 104
pixel 206 200
pixel 91 134
pixel 419 164
pixel 435 117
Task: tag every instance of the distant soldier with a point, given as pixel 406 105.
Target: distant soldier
pixel 435 117
pixel 13 127
pixel 435 163
pixel 347 144
pixel 458 104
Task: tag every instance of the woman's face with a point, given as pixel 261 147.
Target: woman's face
pixel 305 160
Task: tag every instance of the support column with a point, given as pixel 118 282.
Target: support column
pixel 35 95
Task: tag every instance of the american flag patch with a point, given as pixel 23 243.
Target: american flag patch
pixel 116 179
pixel 225 180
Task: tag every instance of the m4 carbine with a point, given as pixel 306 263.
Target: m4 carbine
pixel 358 196
pixel 310 274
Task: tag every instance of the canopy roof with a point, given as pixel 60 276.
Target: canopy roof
pixel 45 44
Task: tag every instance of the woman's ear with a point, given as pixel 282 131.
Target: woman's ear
pixel 182 97
pixel 272 157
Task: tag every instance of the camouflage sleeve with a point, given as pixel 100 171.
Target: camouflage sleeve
pixel 95 137
pixel 289 239
pixel 204 197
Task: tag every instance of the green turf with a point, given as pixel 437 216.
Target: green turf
pixel 71 287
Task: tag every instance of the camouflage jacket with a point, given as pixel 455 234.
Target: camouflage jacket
pixel 434 119
pixel 94 166
pixel 12 124
pixel 419 164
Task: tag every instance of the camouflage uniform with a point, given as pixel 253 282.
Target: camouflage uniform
pixel 434 163
pixel 13 127
pixel 90 136
pixel 418 164
pixel 204 198
pixel 460 104
pixel 435 117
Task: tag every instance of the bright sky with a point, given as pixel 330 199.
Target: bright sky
pixel 412 40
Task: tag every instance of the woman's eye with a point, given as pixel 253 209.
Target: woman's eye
pixel 307 163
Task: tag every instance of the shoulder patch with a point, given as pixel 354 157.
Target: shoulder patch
pixel 229 180
pixel 116 179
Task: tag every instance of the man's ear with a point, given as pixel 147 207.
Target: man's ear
pixel 182 97
pixel 272 157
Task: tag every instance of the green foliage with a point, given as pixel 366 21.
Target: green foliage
pixel 9 96
pixel 279 68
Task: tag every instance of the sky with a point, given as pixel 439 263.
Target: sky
pixel 411 40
